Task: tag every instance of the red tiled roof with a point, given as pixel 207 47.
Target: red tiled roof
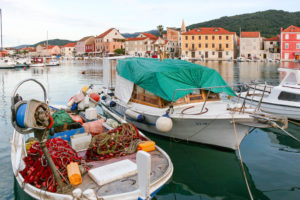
pixel 51 46
pixel 105 33
pixel 292 28
pixel 250 34
pixel 208 31
pixel 149 35
pixel 275 38
pixel 134 39
pixel 72 44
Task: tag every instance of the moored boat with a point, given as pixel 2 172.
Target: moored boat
pixel 111 174
pixel 177 99
pixel 281 100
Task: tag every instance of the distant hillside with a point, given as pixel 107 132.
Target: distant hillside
pixel 267 22
pixel 58 42
pixel 132 35
pixel 22 46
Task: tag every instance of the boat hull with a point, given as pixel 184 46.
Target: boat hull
pixel 216 132
pixel 292 112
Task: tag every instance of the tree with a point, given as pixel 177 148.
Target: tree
pixel 120 51
pixel 160 29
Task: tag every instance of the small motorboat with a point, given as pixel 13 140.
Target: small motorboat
pixel 240 59
pixel 177 99
pixel 37 65
pixel 281 100
pixel 71 152
pixel 52 62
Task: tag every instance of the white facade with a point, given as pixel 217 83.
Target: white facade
pixel 251 47
pixel 68 51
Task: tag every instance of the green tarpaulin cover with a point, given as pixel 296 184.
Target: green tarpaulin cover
pixel 162 78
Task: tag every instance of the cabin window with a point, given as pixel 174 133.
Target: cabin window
pixel 287 96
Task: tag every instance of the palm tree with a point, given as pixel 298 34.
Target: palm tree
pixel 160 29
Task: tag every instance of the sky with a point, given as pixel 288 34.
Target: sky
pixel 28 21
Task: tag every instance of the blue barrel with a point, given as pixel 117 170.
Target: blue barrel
pixel 20 116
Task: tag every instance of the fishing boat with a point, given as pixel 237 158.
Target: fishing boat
pixel 45 160
pixel 281 100
pixel 177 99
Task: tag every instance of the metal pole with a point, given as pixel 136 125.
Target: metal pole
pixel 1 29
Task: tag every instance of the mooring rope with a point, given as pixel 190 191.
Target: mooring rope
pixel 241 160
pixel 275 125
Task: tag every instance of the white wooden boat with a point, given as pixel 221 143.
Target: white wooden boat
pixel 197 114
pixel 283 100
pixel 154 169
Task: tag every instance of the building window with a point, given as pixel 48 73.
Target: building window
pixel 213 37
pixel 227 37
pixel 227 53
pixel 193 46
pixel 213 53
pixel 286 36
pixel 186 45
pixel 186 37
pixel 213 45
pixel 206 45
pixel 298 46
pixel 286 46
pixel 199 37
pixel 206 37
pixel 220 37
pixel 298 36
pixel 271 42
pixel 193 37
pixel 199 45
pixel 227 45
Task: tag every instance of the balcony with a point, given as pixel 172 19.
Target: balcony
pixel 219 49
pixel 192 49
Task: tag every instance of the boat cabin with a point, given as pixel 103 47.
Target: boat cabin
pixel 142 96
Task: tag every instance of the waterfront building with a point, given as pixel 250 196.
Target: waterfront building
pixel 141 45
pixel 138 46
pixel 52 50
pixel 68 50
pixel 214 43
pixel 251 45
pixel 10 50
pixel 271 48
pixel 173 44
pixel 107 42
pixel 81 45
pixel 43 50
pixel 90 47
pixel 290 43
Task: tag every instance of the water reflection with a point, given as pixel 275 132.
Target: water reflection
pixel 204 172
pixel 271 159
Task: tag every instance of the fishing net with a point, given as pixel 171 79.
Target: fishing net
pixel 37 171
pixel 120 141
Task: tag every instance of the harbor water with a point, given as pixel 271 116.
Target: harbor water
pixel 271 159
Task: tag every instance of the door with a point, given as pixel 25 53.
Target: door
pixel 286 56
pixel 206 54
pixel 220 54
pixel 193 54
